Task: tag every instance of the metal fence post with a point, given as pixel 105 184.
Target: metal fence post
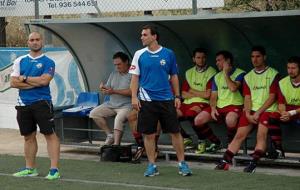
pixel 194 7
pixel 3 24
pixel 36 9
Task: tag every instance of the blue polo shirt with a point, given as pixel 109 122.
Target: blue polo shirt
pixel 33 67
pixel 154 70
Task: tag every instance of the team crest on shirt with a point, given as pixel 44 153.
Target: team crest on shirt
pixel 163 62
pixel 39 65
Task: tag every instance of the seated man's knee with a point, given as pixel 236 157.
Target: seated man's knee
pixel 231 120
pixel 201 118
pixel 198 121
pixel 230 123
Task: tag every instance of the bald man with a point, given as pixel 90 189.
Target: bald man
pixel 32 74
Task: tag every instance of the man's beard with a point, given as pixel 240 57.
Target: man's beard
pixel 36 50
pixel 294 77
pixel 200 68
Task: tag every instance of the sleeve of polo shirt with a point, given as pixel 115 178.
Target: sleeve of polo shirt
pixel 109 81
pixel 134 68
pixel 174 67
pixel 16 68
pixel 50 68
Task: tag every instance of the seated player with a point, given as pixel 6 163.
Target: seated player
pixel 226 101
pixel 196 91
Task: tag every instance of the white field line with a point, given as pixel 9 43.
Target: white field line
pixel 107 183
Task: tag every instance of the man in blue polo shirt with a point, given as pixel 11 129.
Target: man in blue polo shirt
pixel 152 96
pixel 32 74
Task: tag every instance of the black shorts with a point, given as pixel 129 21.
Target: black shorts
pixel 154 111
pixel 39 113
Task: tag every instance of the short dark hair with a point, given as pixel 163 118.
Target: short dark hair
pixel 153 30
pixel 295 59
pixel 260 49
pixel 199 50
pixel 123 56
pixel 226 54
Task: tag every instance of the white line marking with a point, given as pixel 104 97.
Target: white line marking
pixel 106 183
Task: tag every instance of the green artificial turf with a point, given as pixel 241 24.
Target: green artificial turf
pixel 90 175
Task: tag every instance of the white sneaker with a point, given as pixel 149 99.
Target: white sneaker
pixel 109 140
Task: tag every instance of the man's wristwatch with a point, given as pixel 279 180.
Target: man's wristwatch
pixel 24 78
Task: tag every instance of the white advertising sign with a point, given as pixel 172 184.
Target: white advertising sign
pixel 54 7
pixel 46 7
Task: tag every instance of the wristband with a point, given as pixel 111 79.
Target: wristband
pixel 177 97
pixel 292 112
